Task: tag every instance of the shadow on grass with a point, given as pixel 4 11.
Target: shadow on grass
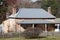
pixel 23 38
pixel 37 37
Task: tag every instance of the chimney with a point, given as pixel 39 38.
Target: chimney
pixel 14 10
pixel 49 9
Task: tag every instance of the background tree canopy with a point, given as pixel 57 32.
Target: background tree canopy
pixel 24 3
pixel 53 4
pixel 3 6
pixel 3 9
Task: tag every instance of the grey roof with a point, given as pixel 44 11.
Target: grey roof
pixel 12 16
pixel 33 13
pixel 57 20
pixel 38 22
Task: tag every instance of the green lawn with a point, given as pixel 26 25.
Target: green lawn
pixel 20 38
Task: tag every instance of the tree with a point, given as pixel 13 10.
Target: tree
pixel 3 6
pixel 3 9
pixel 53 4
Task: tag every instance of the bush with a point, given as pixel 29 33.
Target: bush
pixel 32 32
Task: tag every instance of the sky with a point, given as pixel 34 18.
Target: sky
pixel 33 0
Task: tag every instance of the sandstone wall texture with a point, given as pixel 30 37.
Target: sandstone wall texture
pixel 11 26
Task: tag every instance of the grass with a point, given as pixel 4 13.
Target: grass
pixel 21 38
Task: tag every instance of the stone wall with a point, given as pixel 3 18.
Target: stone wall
pixel 10 25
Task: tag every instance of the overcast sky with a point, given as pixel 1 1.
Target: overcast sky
pixel 34 0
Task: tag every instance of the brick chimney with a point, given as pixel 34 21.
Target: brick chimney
pixel 49 9
pixel 14 10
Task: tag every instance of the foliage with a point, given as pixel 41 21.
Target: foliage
pixel 3 6
pixel 31 32
pixel 53 4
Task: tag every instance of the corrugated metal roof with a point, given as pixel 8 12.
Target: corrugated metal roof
pixel 38 22
pixel 33 13
pixel 57 20
pixel 12 16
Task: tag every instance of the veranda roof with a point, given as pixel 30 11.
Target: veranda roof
pixel 39 22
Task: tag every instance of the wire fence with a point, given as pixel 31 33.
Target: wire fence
pixel 18 34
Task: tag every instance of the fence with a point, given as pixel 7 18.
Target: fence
pixel 18 34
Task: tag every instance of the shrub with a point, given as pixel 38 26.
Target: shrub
pixel 31 32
